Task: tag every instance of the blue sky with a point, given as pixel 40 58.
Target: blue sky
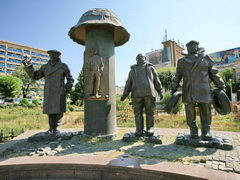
pixel 44 24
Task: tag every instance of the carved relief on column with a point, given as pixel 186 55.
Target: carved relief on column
pixel 94 71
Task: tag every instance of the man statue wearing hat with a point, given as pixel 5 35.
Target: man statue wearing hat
pixel 55 89
pixel 196 70
pixel 145 86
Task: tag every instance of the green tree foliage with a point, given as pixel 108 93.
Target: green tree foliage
pixel 27 81
pixel 77 94
pixel 165 75
pixel 10 86
pixel 227 76
pixel 164 101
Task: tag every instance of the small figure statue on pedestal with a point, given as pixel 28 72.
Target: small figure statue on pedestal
pixel 96 67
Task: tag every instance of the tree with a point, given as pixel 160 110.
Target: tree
pixel 77 94
pixel 178 107
pixel 227 76
pixel 10 86
pixel 27 81
pixel 165 75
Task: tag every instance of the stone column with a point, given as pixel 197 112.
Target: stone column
pixel 100 113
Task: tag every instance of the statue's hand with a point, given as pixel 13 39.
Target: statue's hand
pixel 222 88
pixel 27 61
pixel 173 91
pixel 123 98
pixel 161 96
pixel 68 87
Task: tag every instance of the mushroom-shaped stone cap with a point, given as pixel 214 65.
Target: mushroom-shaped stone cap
pixel 99 18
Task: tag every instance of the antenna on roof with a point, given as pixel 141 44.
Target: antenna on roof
pixel 166 34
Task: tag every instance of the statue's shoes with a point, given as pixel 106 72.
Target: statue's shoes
pixel 194 136
pixel 50 131
pixel 207 137
pixel 149 133
pixel 55 131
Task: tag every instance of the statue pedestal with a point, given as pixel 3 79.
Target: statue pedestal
pixel 97 120
pixel 130 137
pixel 216 142
pixel 100 112
pixel 43 136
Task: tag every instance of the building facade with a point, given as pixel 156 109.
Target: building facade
pixel 11 56
pixel 167 56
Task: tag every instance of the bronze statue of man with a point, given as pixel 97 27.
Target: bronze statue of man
pixel 196 70
pixel 145 86
pixel 55 89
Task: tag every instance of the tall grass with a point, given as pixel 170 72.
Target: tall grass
pixel 18 118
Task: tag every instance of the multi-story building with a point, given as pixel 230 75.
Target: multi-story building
pixel 166 57
pixel 11 56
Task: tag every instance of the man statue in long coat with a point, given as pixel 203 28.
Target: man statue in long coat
pixel 55 89
pixel 145 86
pixel 196 70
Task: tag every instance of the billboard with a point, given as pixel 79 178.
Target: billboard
pixel 226 57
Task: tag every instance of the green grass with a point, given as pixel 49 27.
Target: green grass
pixel 18 118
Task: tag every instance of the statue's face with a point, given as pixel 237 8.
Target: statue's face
pixel 192 49
pixel 54 56
pixel 141 59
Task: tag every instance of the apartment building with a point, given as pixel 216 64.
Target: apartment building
pixel 11 56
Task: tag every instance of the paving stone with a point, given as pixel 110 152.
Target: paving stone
pixel 228 165
pixel 215 162
pixel 215 166
pixel 186 163
pixel 209 164
pixel 227 169
pixel 225 160
pixel 222 158
pixel 221 167
pixel 215 157
pixel 237 169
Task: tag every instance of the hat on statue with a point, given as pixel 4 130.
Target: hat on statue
pixel 192 42
pixel 54 52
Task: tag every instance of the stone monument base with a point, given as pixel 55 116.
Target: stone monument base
pixel 216 142
pixel 43 136
pixel 130 137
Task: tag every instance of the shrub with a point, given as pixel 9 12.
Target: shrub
pixel 31 105
pixel 24 102
pixel 35 102
pixel 122 105
pixel 70 108
pixel 166 98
